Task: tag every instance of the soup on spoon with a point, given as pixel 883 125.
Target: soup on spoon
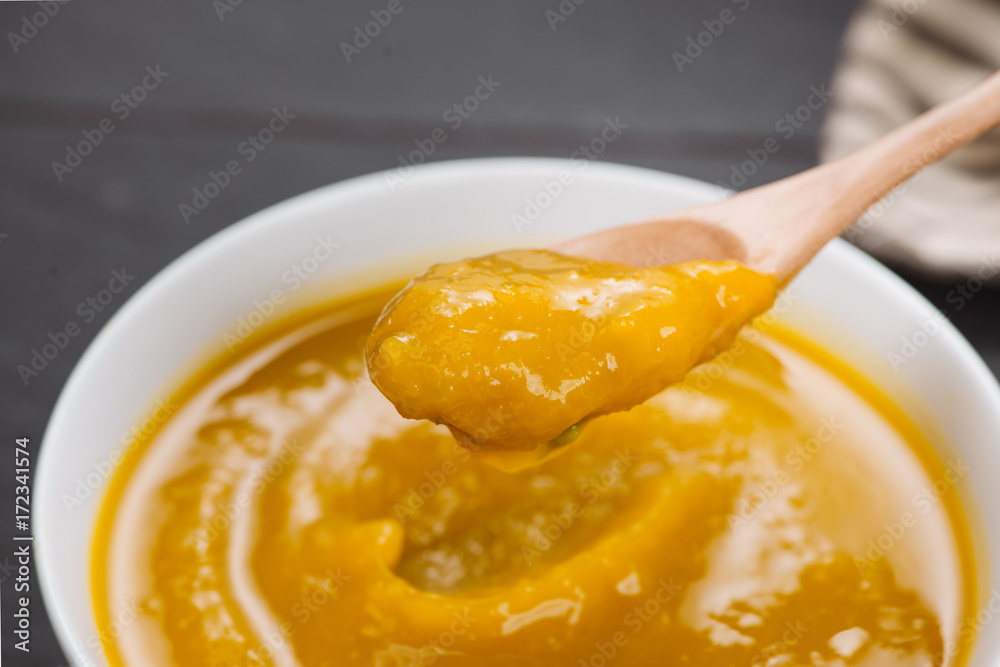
pixel 514 351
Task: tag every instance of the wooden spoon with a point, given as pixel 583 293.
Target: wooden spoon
pixel 777 228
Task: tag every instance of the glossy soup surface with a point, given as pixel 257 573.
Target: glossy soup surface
pixel 770 510
pixel 552 340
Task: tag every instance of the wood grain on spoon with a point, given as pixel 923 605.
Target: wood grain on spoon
pixel 779 227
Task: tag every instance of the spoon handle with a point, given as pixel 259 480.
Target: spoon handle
pixel 784 224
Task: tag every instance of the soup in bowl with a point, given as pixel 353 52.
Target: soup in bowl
pixel 807 497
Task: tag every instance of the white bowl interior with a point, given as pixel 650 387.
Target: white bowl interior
pixel 846 301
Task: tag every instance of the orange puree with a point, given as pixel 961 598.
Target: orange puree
pixel 515 348
pixel 769 509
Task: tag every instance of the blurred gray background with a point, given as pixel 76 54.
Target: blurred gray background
pixel 224 66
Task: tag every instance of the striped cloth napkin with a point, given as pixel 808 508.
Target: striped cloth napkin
pixel 901 57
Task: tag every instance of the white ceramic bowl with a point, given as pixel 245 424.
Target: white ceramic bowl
pixel 848 302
